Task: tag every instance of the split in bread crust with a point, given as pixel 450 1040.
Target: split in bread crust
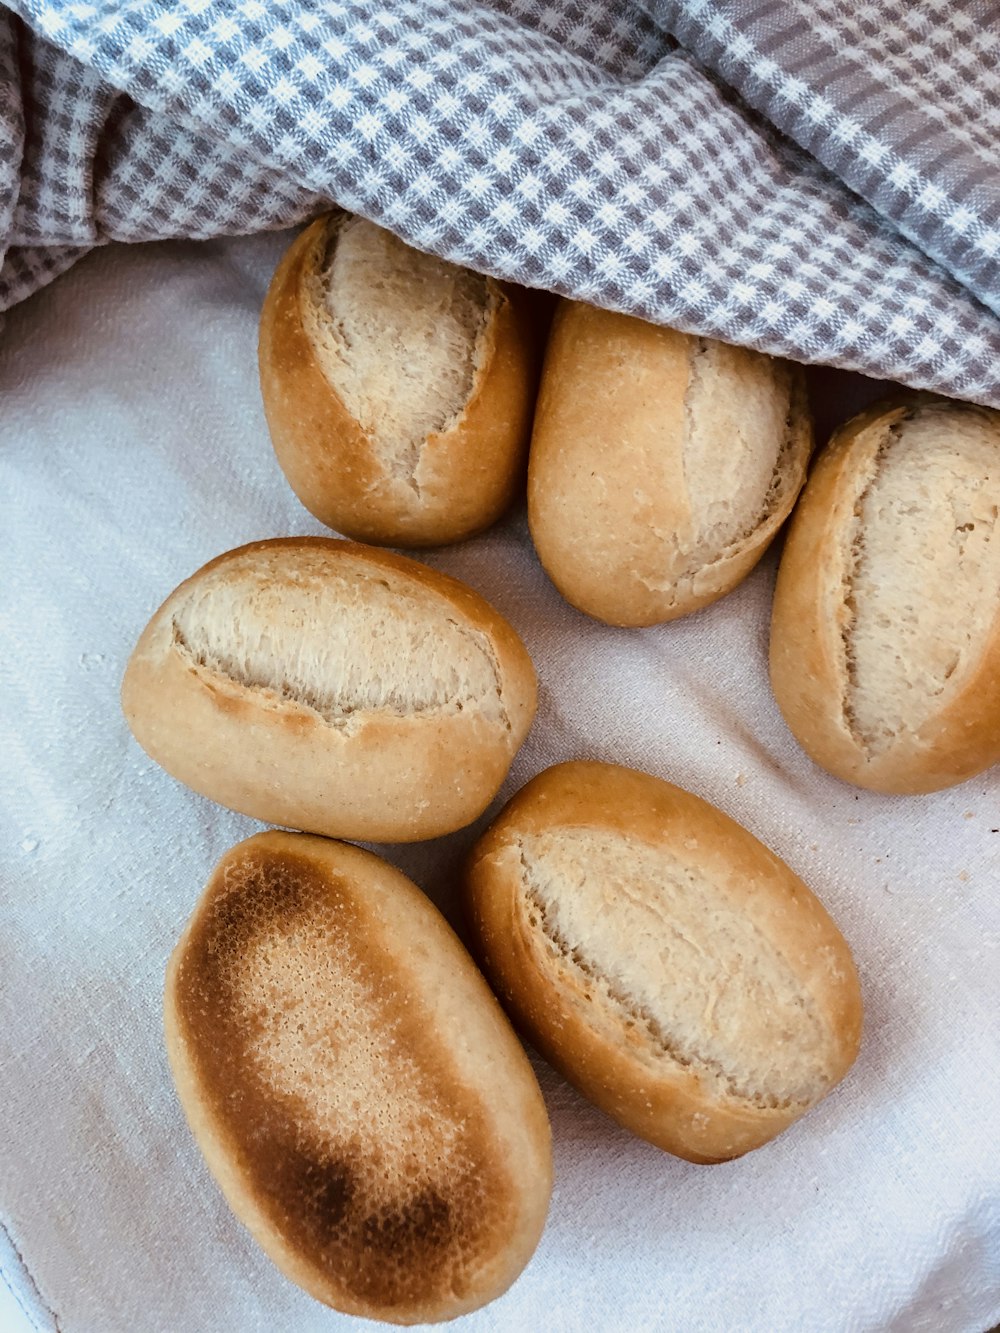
pixel 924 568
pixel 401 337
pixel 885 640
pixel 333 688
pixel 343 638
pixel 670 965
pixel 661 465
pixel 660 949
pixel 398 388
pixel 737 451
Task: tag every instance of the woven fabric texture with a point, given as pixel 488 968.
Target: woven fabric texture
pixel 814 180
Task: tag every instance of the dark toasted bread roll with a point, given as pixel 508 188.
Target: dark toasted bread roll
pixel 353 1084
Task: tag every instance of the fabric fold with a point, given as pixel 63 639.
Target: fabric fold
pixel 902 105
pixel 576 148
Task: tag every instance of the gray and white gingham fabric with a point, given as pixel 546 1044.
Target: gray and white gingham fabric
pixel 814 179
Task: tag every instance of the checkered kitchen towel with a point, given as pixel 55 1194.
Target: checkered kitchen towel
pixel 813 178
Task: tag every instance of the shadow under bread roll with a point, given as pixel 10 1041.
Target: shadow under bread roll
pixel 662 959
pixel 885 632
pixel 353 1085
pixel 333 688
pixel 661 465
pixel 398 388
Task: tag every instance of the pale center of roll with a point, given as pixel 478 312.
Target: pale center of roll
pixel 922 564
pixel 324 1038
pixel 399 334
pixel 338 637
pixel 658 946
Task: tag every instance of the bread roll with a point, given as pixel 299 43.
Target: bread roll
pixel 661 465
pixel 355 1089
pixel 668 964
pixel 885 638
pixel 332 688
pixel 398 388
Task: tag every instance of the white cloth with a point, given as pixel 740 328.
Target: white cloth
pixel 132 449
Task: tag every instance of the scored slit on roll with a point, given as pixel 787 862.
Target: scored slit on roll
pixel 914 622
pixel 885 628
pixel 398 387
pixel 650 942
pixel 745 400
pixel 402 334
pixel 661 464
pixel 244 626
pixel 333 688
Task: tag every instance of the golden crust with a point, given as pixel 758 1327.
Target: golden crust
pixel 380 1224
pixel 605 470
pixel 390 777
pixel 669 1104
pixel 468 475
pixel 808 674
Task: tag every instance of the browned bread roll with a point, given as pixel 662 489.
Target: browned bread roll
pixel 353 1085
pixel 332 688
pixel 398 388
pixel 661 465
pixel 885 637
pixel 668 964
